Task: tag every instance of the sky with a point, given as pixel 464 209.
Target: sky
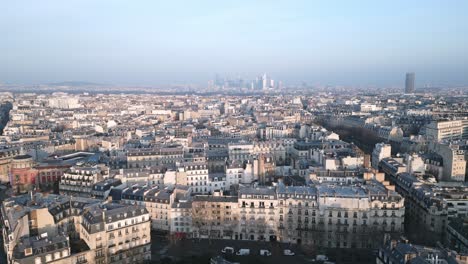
pixel 330 42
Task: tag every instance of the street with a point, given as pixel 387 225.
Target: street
pixel 200 251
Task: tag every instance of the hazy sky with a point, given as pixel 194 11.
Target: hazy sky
pixel 163 42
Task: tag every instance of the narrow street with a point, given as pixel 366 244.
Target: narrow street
pixel 3 194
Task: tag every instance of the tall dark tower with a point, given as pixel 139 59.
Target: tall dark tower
pixel 409 84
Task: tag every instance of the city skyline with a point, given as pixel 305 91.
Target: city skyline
pixel 154 43
pixel 224 132
pixel 238 177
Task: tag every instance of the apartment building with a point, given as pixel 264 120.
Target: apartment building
pixel 79 179
pixel 32 223
pixel 400 252
pixel 454 162
pixel 158 203
pixel 337 216
pixel 429 205
pixel 446 129
pixel 215 216
pixel 240 151
pixel 168 206
pixel 234 173
pixel 197 177
pixel 380 152
pixel 153 175
pixel 157 156
pixel 42 249
pixel 181 217
pixel 457 235
pixel 257 213
pixel 118 233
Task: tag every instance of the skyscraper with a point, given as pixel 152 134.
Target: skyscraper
pixel 265 81
pixel 409 84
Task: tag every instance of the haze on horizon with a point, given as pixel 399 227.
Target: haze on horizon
pixel 166 42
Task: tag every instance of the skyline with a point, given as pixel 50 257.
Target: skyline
pixel 197 178
pixel 113 42
pixel 222 132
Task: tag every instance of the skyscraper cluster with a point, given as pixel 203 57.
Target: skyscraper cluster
pixel 260 83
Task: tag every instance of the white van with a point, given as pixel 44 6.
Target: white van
pixel 265 252
pixel 243 252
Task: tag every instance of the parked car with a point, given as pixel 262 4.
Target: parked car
pixel 228 250
pixel 243 252
pixel 321 258
pixel 265 252
pixel 288 252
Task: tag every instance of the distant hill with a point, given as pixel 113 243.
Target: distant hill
pixel 76 83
